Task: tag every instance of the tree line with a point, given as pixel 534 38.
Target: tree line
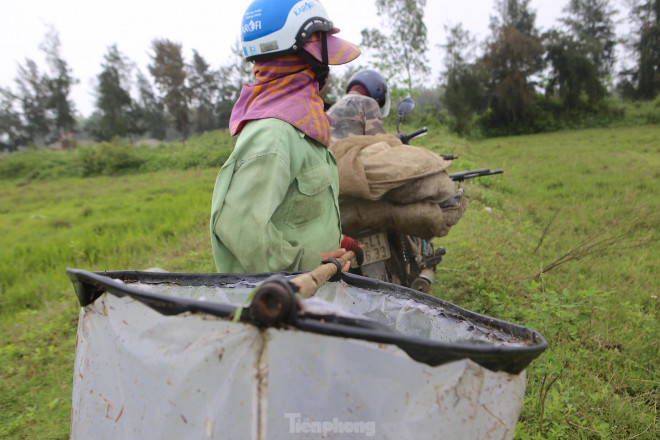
pixel 178 98
pixel 517 80
pixel 527 81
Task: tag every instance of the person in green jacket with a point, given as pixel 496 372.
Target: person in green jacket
pixel 275 204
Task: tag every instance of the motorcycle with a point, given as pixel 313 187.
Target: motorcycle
pixel 395 255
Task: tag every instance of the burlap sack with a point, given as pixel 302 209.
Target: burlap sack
pixel 420 219
pixel 371 166
pixel 434 188
pixel 454 207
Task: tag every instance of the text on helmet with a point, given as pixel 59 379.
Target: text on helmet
pixel 303 8
pixel 251 26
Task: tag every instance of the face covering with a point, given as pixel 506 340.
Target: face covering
pixel 286 89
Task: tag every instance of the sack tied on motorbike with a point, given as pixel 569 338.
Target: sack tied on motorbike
pixel 381 166
pixel 385 183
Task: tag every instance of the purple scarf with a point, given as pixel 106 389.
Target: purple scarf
pixel 285 90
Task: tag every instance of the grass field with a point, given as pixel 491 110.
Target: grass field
pixel 570 248
pixel 565 242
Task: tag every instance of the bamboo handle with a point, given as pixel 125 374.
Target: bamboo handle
pixel 308 283
pixel 273 301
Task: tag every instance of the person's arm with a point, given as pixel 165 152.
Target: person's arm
pixel 244 225
pixel 373 118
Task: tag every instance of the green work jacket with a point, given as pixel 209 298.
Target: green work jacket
pixel 275 204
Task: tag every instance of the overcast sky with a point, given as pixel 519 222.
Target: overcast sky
pixel 87 28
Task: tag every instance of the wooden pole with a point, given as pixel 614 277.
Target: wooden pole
pixel 308 283
pixel 273 302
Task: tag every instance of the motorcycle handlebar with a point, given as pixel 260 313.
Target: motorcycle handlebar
pixel 405 138
pixel 471 174
pixel 417 133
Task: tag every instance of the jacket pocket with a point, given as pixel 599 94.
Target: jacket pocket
pixel 309 195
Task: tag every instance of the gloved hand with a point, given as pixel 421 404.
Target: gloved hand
pixel 350 244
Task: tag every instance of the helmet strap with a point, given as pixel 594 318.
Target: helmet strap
pixel 322 69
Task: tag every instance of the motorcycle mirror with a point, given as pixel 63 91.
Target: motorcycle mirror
pixel 405 107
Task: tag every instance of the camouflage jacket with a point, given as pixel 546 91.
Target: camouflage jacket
pixel 355 114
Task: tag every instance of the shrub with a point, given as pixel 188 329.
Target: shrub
pixel 208 150
pixel 106 159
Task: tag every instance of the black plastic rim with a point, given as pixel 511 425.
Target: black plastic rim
pixel 89 286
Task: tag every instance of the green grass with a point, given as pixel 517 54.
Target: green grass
pixel 584 206
pixel 104 223
pixel 117 158
pixel 560 194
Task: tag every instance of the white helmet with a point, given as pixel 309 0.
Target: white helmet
pixel 279 27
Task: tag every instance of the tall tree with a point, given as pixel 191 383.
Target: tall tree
pixel 113 96
pixel 401 53
pixel 514 53
pixel 169 73
pixel 573 73
pixel 11 125
pixel 591 24
pixel 33 96
pixel 152 118
pixel 645 17
pixel 59 83
pixel 464 91
pixel 203 86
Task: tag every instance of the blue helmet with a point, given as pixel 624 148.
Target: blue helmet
pixel 376 86
pixel 273 28
pixel 280 27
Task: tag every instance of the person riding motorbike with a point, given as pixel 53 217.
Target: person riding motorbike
pixel 395 211
pixel 275 204
pixel 362 109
